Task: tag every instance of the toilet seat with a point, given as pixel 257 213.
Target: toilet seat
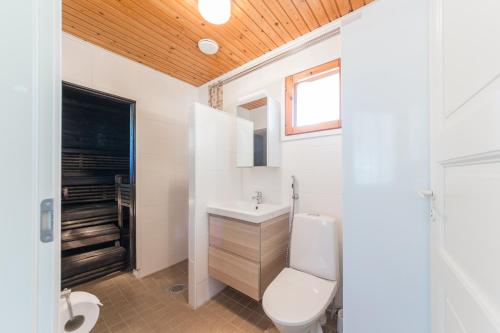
pixel 296 298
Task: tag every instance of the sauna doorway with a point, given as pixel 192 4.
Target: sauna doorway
pixel 98 185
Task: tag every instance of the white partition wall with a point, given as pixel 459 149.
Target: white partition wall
pixel 273 133
pixel 385 162
pixel 213 177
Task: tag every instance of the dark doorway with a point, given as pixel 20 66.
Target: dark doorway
pixel 98 185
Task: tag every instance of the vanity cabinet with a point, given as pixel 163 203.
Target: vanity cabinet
pixel 247 256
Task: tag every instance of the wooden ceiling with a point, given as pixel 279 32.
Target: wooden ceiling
pixel 254 104
pixel 163 34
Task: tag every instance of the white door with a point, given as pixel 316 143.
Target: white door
pixel 29 148
pixel 465 121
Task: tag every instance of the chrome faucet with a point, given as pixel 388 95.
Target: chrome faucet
pixel 259 197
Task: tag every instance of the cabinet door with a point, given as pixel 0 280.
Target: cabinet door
pixel 238 237
pixel 274 243
pixel 273 133
pixel 240 273
pixel 244 143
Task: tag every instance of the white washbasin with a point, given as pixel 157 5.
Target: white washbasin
pixel 248 211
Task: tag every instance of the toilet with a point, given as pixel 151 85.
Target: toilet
pixel 297 298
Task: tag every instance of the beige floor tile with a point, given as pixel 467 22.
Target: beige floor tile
pixel 120 328
pixel 112 319
pixel 247 321
pixel 145 306
pixel 100 327
pixel 230 328
pixel 160 326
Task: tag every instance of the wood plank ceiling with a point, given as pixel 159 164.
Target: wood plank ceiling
pixel 163 34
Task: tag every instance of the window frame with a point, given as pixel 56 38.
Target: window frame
pixel 290 83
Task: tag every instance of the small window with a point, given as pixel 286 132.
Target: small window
pixel 313 99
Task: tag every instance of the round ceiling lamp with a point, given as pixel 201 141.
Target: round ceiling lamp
pixel 215 11
pixel 208 46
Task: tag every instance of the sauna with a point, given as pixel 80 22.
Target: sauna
pixel 97 185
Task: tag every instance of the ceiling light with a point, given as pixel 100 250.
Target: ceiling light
pixel 208 46
pixel 215 11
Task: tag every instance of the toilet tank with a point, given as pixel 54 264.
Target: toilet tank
pixel 314 247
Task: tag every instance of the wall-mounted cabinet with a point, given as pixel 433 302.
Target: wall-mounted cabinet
pixel 258 132
pixel 247 256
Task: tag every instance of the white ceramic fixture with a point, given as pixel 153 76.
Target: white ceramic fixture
pixel 248 211
pixel 297 298
pixel 208 46
pixel 215 11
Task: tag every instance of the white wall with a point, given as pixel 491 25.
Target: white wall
pixel 214 178
pixel 163 105
pixel 315 161
pixel 385 155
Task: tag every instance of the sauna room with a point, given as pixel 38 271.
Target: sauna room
pixel 97 185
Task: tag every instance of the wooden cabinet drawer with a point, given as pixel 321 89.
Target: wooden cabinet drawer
pixel 240 273
pixel 237 237
pixel 274 243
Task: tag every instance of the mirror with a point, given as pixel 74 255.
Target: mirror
pixel 258 132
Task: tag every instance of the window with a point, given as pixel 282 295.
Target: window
pixel 313 99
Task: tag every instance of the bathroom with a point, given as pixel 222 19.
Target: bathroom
pixel 250 166
pixel 164 160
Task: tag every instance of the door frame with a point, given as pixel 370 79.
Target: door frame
pixel 436 170
pixel 132 158
pixel 47 97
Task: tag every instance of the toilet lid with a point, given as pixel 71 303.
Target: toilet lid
pixel 296 298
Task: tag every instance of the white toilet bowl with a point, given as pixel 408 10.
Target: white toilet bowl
pixel 296 301
pixel 297 298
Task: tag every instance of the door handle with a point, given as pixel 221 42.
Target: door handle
pixel 47 221
pixel 426 194
pixel 429 194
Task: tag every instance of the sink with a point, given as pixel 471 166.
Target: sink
pixel 248 211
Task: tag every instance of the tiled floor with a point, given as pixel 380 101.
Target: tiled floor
pixel 133 305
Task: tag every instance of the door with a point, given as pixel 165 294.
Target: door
pixel 29 141
pixel 465 121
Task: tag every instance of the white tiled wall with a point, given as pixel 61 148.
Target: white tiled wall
pixel 162 146
pixel 316 162
pixel 213 178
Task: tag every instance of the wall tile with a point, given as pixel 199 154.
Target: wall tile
pixel 316 162
pixel 215 178
pixel 76 62
pixel 162 144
